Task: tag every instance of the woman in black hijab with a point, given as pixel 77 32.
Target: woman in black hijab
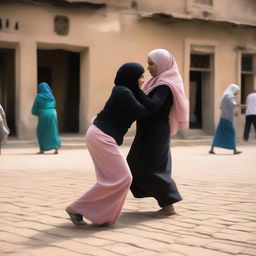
pixel 102 204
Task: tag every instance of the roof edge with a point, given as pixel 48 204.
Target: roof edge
pixel 168 17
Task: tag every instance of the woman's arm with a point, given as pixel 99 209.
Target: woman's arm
pixel 158 98
pixel 241 106
pixel 143 105
pixel 131 104
pixel 5 123
pixel 35 107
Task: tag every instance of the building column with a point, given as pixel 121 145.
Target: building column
pixel 84 121
pixel 26 89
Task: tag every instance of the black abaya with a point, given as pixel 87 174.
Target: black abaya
pixel 149 157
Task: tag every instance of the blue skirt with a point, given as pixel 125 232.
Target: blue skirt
pixel 225 135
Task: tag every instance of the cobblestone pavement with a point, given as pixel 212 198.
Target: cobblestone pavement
pixel 216 218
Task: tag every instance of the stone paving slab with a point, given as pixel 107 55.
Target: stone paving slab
pixel 216 217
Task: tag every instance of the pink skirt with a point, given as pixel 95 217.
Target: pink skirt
pixel 104 201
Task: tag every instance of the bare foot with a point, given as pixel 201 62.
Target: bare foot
pixel 165 211
pixel 56 151
pixel 40 152
pixel 237 152
pixel 211 152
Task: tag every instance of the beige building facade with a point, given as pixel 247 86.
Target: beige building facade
pixel 77 46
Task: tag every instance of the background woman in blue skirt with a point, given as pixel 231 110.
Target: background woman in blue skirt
pixel 225 136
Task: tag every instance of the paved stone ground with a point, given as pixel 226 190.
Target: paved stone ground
pixel 216 218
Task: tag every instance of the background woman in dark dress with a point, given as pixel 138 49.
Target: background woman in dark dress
pixel 149 157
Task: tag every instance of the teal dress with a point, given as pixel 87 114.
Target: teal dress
pixel 47 127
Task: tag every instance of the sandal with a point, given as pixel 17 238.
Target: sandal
pixel 103 225
pixel 76 218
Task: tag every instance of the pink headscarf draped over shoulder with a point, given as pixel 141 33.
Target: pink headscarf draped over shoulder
pixel 168 74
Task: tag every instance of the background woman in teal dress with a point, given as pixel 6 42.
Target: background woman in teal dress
pixel 47 127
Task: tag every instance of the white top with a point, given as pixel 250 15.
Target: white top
pixel 2 112
pixel 251 104
pixel 227 107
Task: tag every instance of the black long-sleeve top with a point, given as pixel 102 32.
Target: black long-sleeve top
pixel 123 108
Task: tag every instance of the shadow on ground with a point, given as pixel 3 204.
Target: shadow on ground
pixel 67 231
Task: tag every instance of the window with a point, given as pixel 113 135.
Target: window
pixel 134 5
pixel 204 2
pixel 247 63
pixel 61 25
pixel 247 76
pixel 200 61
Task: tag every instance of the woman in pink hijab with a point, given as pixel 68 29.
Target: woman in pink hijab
pixel 149 157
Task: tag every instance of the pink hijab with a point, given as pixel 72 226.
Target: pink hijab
pixel 168 74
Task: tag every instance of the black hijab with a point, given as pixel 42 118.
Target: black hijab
pixel 128 75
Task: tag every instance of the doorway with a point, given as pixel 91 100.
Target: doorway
pixel 61 70
pixel 201 93
pixel 195 99
pixel 247 77
pixel 7 86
